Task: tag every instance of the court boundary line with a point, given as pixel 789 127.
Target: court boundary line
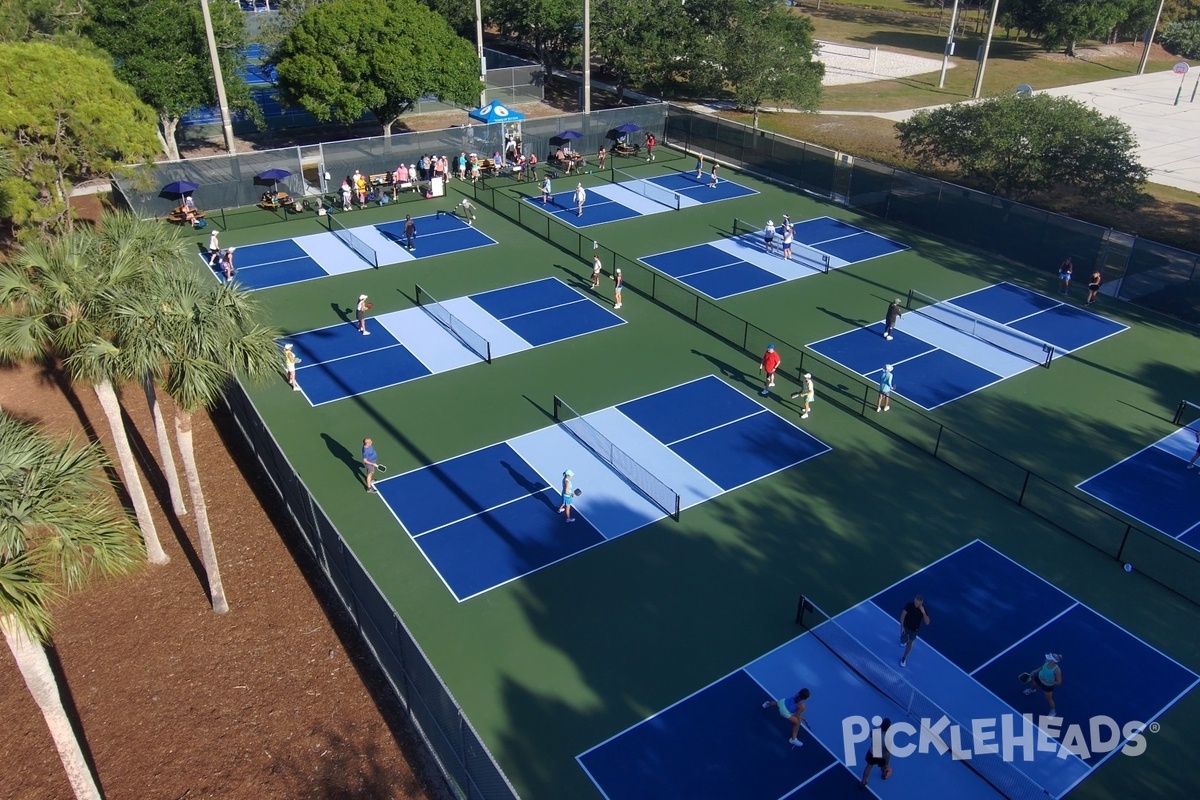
pixel 726 424
pixel 934 349
pixel 1139 520
pixel 487 510
pixel 754 242
pixel 1070 607
pixel 606 539
pixel 687 189
pixel 727 296
pixel 539 310
pixel 398 343
pixel 706 269
pixel 898 244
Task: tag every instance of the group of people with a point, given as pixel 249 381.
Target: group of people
pixel 1066 271
pixel 218 259
pixel 787 234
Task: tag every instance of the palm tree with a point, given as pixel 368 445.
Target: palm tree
pixel 58 531
pixel 53 303
pixel 160 249
pixel 202 334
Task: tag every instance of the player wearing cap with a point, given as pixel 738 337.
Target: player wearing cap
pixel 360 314
pixel 567 495
pixel 768 365
pixel 289 364
pixel 596 268
pixel 884 403
pixel 1047 678
pixel 580 199
pixel 807 392
pixel 893 316
pixel 769 236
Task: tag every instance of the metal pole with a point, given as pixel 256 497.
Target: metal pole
pixel 987 45
pixel 587 56
pixel 226 123
pixel 1150 38
pixel 479 49
pixel 949 45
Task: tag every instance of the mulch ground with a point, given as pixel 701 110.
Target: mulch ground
pixel 173 701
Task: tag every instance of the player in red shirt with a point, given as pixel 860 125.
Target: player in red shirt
pixel 770 363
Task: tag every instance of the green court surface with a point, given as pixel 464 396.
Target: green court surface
pixel 549 665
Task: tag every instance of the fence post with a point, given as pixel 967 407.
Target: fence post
pixel 1124 541
pixel 1024 486
pixel 938 443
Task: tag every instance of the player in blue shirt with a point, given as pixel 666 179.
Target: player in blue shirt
pixel 370 461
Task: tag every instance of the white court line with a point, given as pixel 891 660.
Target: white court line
pixel 351 355
pixel 546 308
pixel 481 512
pixel 725 424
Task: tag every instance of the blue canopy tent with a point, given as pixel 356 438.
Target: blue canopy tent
pixel 503 124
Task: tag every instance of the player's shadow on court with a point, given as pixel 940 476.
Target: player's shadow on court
pixel 340 452
pixel 857 323
pixel 573 277
pixel 529 486
pixel 344 313
pixel 731 372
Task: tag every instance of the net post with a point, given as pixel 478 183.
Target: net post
pixel 557 406
pixel 1179 412
pixel 826 261
pixel 802 607
pixel 678 503
pixel 1049 356
pixel 909 303
pixel 488 347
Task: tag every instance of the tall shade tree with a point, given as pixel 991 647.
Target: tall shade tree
pixel 58 530
pixel 1014 146
pixel 53 304
pixel 1061 24
pixel 64 117
pixel 160 49
pixel 639 42
pixel 203 334
pixel 769 59
pixel 553 28
pixel 346 58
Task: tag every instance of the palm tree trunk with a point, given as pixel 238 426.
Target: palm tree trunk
pixel 208 551
pixel 133 481
pixel 35 668
pixel 164 446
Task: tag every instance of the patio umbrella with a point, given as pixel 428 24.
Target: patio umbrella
pixel 178 188
pixel 628 127
pixel 272 176
pixel 567 136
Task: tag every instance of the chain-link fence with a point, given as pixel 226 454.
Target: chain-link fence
pixel 228 182
pixel 1159 557
pixel 1141 271
pixel 470 771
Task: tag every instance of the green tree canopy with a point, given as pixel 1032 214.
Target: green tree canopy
pixel 344 58
pixel 769 59
pixel 1063 23
pixel 161 50
pixel 553 28
pixel 64 117
pixel 34 20
pixel 640 43
pixel 1013 146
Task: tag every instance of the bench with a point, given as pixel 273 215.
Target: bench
pixel 626 149
pixel 179 215
pixel 274 202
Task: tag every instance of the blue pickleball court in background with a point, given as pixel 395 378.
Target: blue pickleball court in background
pixel 936 363
pixel 991 619
pixel 338 362
pixel 319 255
pixel 491 516
pixel 741 263
pixel 1155 487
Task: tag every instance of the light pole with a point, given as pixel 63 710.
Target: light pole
pixel 1150 38
pixel 987 45
pixel 949 45
pixel 218 79
pixel 482 59
pixel 587 56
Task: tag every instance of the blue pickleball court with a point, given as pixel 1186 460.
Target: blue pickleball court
pixel 491 516
pixel 1155 487
pixel 339 362
pixel 742 263
pixel 990 619
pixel 944 352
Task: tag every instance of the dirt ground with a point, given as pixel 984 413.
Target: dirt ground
pixel 173 701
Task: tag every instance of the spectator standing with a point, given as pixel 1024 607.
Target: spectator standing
pixel 893 316
pixel 596 268
pixel 768 365
pixel 600 156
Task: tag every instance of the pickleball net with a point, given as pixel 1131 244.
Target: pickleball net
pixel 361 248
pixel 987 330
pixel 1001 775
pixel 461 330
pixel 755 236
pixel 634 473
pixel 646 188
